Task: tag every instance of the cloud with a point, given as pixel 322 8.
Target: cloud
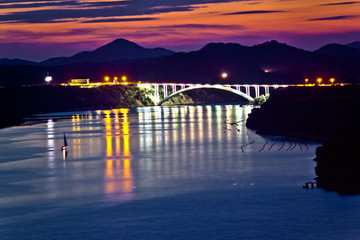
pixel 202 26
pixel 252 12
pixel 22 34
pixel 333 18
pixel 339 3
pixel 55 11
pixel 119 20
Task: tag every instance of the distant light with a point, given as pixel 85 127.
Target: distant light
pixel 48 79
pixel 332 80
pixel 266 70
pixel 224 75
pixel 124 78
pixel 107 78
pixel 319 80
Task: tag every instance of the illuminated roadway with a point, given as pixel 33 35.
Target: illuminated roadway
pixel 243 90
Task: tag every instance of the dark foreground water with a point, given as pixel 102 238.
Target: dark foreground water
pixel 163 173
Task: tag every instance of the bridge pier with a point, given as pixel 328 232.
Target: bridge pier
pixel 165 90
pixel 247 90
pixel 267 90
pixel 257 91
pixel 157 95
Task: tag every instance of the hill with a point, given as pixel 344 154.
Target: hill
pixel 268 63
pixel 117 50
pixel 340 51
pixel 16 62
pixel 354 45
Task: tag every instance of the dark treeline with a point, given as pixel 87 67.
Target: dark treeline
pixel 268 63
pixel 19 102
pixel 328 114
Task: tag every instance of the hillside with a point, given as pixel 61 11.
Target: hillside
pixel 268 63
pixel 117 50
pixel 340 51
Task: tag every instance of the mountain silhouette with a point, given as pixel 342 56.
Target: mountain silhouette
pixel 340 51
pixel 354 44
pixel 16 62
pixel 117 50
pixel 271 62
pixel 268 63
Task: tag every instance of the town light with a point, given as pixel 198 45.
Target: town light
pixel 224 75
pixel 319 81
pixel 48 79
pixel 332 80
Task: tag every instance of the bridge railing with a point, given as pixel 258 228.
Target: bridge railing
pixel 240 89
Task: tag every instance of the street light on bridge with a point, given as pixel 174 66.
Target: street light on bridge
pixel 332 80
pixel 224 75
pixel 319 81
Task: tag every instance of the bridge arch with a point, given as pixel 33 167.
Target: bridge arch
pixel 207 86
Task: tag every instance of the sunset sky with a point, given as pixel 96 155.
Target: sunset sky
pixel 37 30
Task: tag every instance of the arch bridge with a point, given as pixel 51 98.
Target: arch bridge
pixel 164 91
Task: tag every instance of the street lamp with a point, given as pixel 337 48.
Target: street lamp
pixel 123 78
pixel 107 79
pixel 332 80
pixel 306 81
pixel 224 75
pixel 319 81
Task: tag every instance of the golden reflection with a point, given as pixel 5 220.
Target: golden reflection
pixel 118 174
pixel 76 141
pixel 51 143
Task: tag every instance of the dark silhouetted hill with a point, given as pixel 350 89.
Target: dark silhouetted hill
pixel 120 49
pixel 354 45
pixel 16 62
pixel 339 51
pixel 268 63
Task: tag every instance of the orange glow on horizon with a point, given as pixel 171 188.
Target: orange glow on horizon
pixel 201 24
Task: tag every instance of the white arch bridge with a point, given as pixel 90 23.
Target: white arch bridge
pixel 248 91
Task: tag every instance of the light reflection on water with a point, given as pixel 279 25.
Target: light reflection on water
pixel 167 141
pixel 176 162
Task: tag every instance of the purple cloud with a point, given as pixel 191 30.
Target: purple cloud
pixel 252 12
pixel 339 3
pixel 333 18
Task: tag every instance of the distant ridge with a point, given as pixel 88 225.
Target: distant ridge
pixel 354 44
pixel 271 62
pixel 340 51
pixel 117 50
pixel 16 62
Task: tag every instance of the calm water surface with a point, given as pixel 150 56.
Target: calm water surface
pixel 163 173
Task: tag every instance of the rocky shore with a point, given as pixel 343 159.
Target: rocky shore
pixel 17 103
pixel 327 114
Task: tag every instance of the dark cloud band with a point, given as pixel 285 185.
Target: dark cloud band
pixel 339 3
pixel 252 12
pixel 332 18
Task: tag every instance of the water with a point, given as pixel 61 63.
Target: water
pixel 163 173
